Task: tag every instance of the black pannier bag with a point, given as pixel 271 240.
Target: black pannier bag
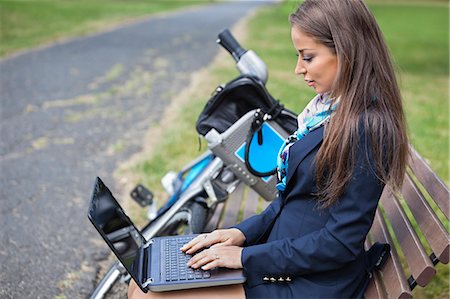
pixel 245 127
pixel 235 99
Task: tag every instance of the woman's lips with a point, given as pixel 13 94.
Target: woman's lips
pixel 310 83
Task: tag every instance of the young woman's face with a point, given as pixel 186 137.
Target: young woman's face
pixel 316 62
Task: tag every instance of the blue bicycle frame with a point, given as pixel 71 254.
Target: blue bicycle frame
pixel 185 178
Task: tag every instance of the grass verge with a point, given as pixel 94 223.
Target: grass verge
pixel 29 23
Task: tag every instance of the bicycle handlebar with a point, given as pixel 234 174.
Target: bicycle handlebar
pixel 247 61
pixel 227 40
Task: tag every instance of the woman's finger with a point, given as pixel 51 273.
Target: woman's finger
pixel 202 258
pixel 195 259
pixel 222 256
pixel 194 242
pixel 202 241
pixel 199 262
pixel 222 243
pixel 213 264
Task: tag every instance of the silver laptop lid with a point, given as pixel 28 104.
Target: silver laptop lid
pixel 118 231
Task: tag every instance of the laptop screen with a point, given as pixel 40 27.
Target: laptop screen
pixel 116 228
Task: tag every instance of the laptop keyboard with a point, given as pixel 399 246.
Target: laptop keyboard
pixel 176 260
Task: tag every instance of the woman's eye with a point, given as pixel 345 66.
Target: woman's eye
pixel 304 57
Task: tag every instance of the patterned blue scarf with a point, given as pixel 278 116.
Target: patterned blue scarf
pixel 316 113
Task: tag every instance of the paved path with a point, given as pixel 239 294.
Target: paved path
pixel 72 112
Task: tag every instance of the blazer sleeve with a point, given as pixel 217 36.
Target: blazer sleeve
pixel 254 227
pixel 339 242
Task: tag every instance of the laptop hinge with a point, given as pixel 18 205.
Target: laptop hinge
pixel 149 242
pixel 146 280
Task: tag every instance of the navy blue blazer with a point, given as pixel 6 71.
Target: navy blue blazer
pixel 294 249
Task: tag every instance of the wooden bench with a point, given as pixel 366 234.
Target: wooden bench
pixel 414 224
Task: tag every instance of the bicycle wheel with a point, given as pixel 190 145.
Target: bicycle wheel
pixel 189 220
pixel 109 283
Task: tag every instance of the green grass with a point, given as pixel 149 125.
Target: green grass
pixel 181 142
pixel 27 23
pixel 417 35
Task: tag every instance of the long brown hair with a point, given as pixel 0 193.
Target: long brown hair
pixel 367 90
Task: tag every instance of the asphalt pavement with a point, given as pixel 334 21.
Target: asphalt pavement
pixel 73 111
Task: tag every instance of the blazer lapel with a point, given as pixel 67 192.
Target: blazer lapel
pixel 301 149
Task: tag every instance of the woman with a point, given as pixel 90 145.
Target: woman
pixel 351 142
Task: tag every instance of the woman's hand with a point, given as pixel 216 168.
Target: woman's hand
pixel 217 238
pixel 217 256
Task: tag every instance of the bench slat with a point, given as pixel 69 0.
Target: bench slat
pixel 432 183
pixel 392 272
pixel 375 289
pixel 233 205
pixel 251 203
pixel 419 263
pixel 429 223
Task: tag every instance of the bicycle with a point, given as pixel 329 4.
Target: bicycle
pixel 236 118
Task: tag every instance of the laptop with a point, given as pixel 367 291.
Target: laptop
pixel 155 265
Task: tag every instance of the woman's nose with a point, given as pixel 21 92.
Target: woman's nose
pixel 299 68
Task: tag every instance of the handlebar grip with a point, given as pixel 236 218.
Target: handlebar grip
pixel 227 40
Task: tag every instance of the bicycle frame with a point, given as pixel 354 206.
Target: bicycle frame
pixel 186 177
pixel 199 177
pixel 198 185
